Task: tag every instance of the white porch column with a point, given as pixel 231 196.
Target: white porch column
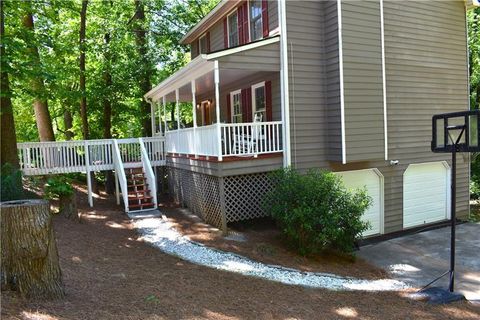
pixel 194 110
pixel 216 76
pixel 160 125
pixel 89 178
pixel 152 116
pixel 165 114
pixel 177 106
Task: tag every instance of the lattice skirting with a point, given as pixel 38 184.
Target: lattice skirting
pixel 219 200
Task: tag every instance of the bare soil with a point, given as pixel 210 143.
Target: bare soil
pixel 111 274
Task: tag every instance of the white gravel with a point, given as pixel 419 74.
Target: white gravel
pixel 160 234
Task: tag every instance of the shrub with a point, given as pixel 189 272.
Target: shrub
pixel 58 187
pixel 316 212
pixel 11 183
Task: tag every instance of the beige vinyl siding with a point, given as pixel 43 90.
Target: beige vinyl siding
pixel 265 58
pixel 363 85
pixel 333 82
pixel 308 121
pixel 426 71
pixel 193 50
pixel 216 37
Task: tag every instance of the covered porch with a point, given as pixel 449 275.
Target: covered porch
pixel 222 106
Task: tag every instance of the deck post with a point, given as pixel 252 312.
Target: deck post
pixel 159 118
pixel 216 76
pixel 117 191
pixel 177 106
pixel 165 113
pixel 89 178
pixel 194 113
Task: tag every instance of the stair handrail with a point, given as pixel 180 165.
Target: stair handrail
pixel 147 168
pixel 120 170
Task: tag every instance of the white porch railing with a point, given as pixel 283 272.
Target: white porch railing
pixel 237 139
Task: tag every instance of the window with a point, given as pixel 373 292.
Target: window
pixel 256 26
pixel 202 44
pixel 236 106
pixel 233 29
pixel 259 109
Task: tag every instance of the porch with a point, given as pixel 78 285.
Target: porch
pixel 223 105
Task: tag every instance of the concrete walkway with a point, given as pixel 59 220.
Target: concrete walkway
pixel 419 258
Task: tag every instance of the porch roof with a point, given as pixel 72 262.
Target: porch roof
pixel 263 55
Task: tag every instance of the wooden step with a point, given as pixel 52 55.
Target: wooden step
pixel 139 191
pixel 140 198
pixel 141 205
pixel 138 185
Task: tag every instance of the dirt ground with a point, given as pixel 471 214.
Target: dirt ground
pixel 110 274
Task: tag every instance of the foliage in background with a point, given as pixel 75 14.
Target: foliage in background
pixel 316 212
pixel 11 183
pixel 473 17
pixel 58 186
pixel 57 37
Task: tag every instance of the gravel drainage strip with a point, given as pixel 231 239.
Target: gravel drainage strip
pixel 160 233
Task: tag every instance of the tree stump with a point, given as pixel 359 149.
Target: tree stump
pixel 68 207
pixel 29 252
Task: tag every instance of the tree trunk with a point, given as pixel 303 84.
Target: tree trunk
pixel 68 122
pixel 40 104
pixel 107 114
pixel 8 138
pixel 83 101
pixel 145 69
pixel 30 261
pixel 68 207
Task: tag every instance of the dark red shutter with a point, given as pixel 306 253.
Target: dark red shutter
pixel 225 33
pixel 246 35
pixel 249 104
pixel 268 100
pixel 207 38
pixel 229 109
pixel 265 18
pixel 243 101
pixel 240 24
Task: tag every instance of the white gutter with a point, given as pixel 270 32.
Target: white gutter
pixel 287 159
pixel 342 93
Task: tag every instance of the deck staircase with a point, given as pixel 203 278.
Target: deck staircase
pixel 139 192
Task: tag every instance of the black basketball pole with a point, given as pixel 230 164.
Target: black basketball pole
pixel 453 217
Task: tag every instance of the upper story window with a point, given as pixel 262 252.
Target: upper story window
pixel 233 29
pixel 256 23
pixel 203 44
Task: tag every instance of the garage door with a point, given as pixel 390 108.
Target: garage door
pixel 425 193
pixel 371 180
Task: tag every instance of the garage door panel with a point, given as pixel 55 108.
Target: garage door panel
pixel 425 191
pixel 370 180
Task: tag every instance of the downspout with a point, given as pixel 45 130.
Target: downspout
pixel 285 97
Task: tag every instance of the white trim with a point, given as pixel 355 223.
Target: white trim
pixel 285 96
pixel 228 28
pixel 342 93
pixel 232 93
pixel 384 81
pixel 254 102
pixel 248 46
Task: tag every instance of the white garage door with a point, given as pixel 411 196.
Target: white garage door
pixel 425 193
pixel 371 180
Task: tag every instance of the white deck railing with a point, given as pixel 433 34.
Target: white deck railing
pixel 237 139
pixel 37 158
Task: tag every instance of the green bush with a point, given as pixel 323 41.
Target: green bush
pixel 11 183
pixel 316 212
pixel 57 187
pixel 475 177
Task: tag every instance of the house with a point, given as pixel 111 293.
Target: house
pixel 350 86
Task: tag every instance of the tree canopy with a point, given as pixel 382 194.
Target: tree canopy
pixel 127 46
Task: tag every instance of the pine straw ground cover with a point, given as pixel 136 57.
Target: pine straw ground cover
pixel 111 274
